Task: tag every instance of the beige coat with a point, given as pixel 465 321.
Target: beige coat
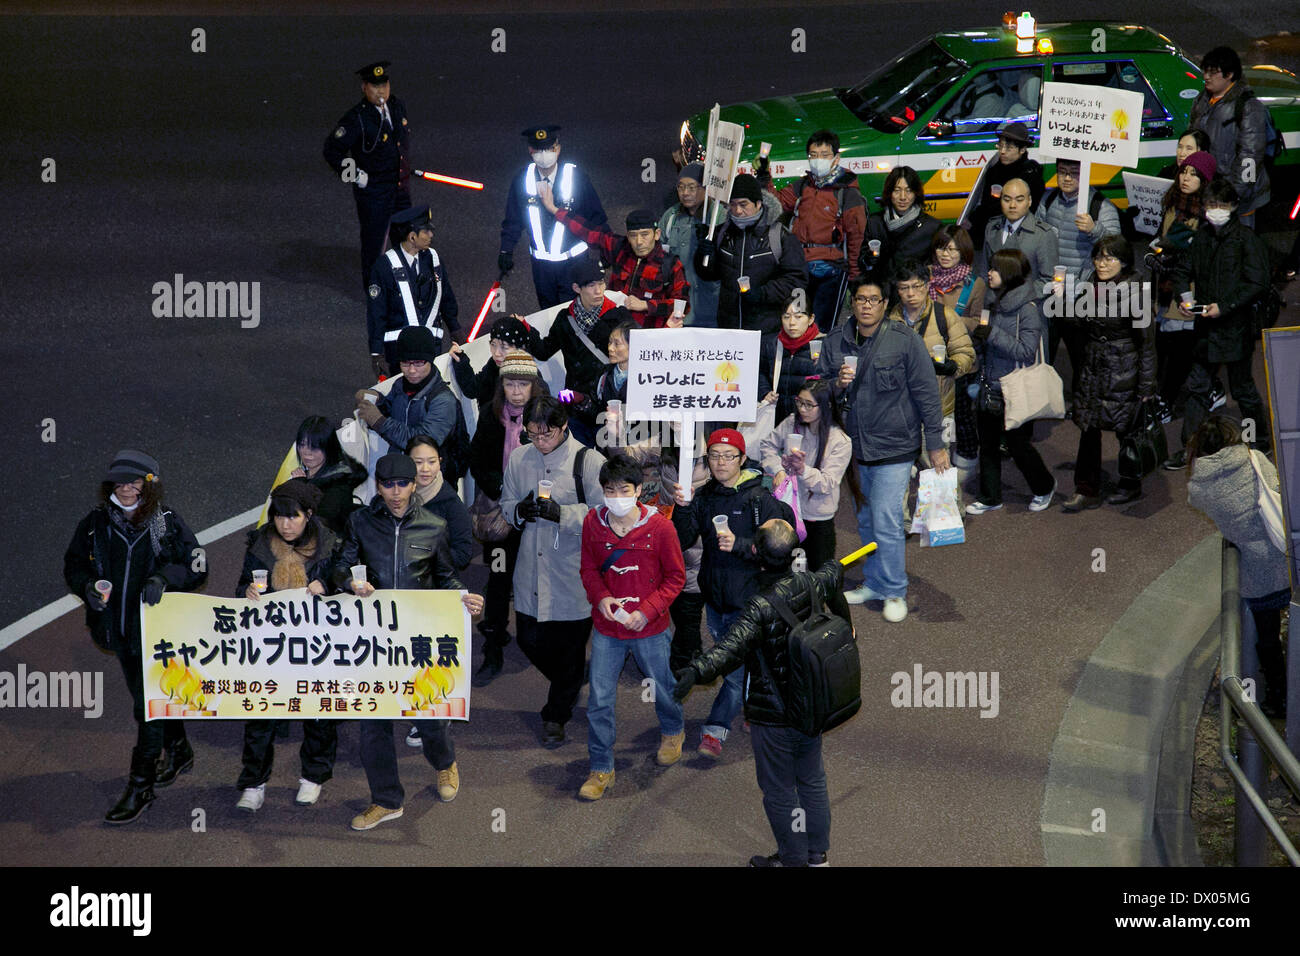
pixel 960 349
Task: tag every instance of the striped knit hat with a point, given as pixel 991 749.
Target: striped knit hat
pixel 519 364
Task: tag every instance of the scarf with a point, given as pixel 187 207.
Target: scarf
pixel 943 281
pixel 290 569
pixel 512 419
pixel 1187 208
pixel 425 495
pixel 585 317
pixel 618 378
pixel 156 526
pixel 895 222
pixel 794 345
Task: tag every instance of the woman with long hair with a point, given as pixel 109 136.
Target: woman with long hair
pixel 132 548
pixel 324 463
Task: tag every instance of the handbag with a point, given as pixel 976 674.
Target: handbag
pixel 487 520
pixel 788 491
pixel 1031 391
pixel 1270 507
pixel 1141 449
pixel 986 399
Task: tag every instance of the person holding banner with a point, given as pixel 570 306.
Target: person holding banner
pixel 401 545
pixel 681 228
pixel 324 463
pixel 788 355
pixel 294 549
pixel 549 485
pixel 756 260
pixel 725 514
pixel 132 548
pixel 511 332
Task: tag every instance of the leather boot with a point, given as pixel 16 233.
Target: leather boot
pixel 175 760
pixel 138 794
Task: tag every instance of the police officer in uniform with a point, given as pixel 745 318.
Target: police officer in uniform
pixel 408 287
pixel 551 245
pixel 376 136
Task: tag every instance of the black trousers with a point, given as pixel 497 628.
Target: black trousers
pixel 375 207
pixel 964 418
pixel 819 546
pixel 551 280
pixel 1074 340
pixel 826 296
pixel 320 743
pixel 687 612
pixel 789 769
pixel 559 650
pixel 496 611
pixel 1087 466
pixel 1174 355
pixel 379 756
pixel 1023 453
pixel 150 736
pixel 1241 386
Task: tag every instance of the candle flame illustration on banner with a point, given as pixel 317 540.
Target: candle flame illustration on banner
pixel 184 690
pixel 1119 125
pixel 728 374
pixel 429 694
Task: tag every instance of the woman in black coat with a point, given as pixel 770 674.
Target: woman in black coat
pixel 132 548
pixel 323 462
pixel 1118 373
pixel 294 549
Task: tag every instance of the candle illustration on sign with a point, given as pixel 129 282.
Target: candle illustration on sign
pixel 184 690
pixel 429 694
pixel 728 374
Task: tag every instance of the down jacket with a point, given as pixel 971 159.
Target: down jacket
pixel 1232 147
pixel 759 639
pixel 1119 369
pixel 773 273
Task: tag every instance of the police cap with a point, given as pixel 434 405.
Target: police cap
pixel 541 137
pixel 376 73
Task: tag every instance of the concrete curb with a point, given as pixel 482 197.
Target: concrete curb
pixel 1104 779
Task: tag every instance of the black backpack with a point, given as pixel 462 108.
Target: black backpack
pixel 455 447
pixel 825 672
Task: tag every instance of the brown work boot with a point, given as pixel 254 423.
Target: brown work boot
pixel 596 785
pixel 448 784
pixel 670 749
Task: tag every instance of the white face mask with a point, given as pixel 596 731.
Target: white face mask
pixel 546 158
pixel 1218 217
pixel 619 506
pixel 113 498
pixel 820 167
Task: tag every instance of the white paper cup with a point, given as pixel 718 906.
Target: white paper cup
pixel 874 246
pixel 358 574
pixel 679 307
pixel 742 283
pixel 720 524
pixel 793 443
pixel 940 352
pixel 815 349
pixel 259 580
pixel 764 150
pixel 372 398
pixel 544 488
pixel 105 588
pixel 621 615
pixel 852 362
pixel 1058 274
pixel 984 317
pixel 996 190
pixel 1188 298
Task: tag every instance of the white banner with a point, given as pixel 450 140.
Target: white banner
pixel 1090 123
pixel 1145 194
pixel 709 373
pixel 722 155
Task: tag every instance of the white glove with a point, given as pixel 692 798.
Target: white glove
pixel 362 178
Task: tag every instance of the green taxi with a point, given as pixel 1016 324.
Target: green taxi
pixel 937 107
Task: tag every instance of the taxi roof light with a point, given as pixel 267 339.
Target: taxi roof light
pixel 1026 29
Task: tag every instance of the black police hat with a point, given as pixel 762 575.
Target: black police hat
pixel 417 218
pixel 541 137
pixel 376 73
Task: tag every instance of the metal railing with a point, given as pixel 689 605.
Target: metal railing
pixel 1255 735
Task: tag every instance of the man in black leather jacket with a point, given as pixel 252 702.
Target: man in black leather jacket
pixel 403 546
pixel 788 763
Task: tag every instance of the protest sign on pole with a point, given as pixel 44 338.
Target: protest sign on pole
pixel 299 656
pixel 1087 123
pixel 721 157
pixel 1145 194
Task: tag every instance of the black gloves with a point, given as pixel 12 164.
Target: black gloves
pixel 505 262
pixel 763 170
pixel 153 590
pixel 94 600
pixel 526 510
pixel 981 334
pixel 685 681
pixel 701 231
pixel 708 248
pixel 752 299
pixel 548 510
pixel 946 367
pixel 379 365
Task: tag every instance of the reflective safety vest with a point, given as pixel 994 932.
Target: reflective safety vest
pixel 408 298
pixel 563 197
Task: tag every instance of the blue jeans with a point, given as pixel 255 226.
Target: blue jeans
pixel 732 693
pixel 880 519
pixel 608 655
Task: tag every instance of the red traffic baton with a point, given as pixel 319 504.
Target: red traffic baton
pixel 487 304
pixel 450 180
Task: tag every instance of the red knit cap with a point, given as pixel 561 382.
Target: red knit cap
pixel 728 436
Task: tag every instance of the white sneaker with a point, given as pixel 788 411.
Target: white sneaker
pixel 895 609
pixel 978 507
pixel 413 738
pixel 862 595
pixel 308 792
pixel 1042 502
pixel 252 799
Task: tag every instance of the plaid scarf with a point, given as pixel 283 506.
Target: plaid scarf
pixel 943 281
pixel 585 317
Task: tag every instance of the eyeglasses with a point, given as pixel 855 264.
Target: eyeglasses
pixel 912 286
pixel 1067 173
pixel 871 300
pixel 1106 258
pixel 544 433
pixel 805 406
pixel 412 363
pixel 395 482
pixel 722 459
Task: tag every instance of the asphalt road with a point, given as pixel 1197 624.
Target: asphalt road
pixel 208 165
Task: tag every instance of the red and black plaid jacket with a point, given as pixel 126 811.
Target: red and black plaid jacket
pixel 643 279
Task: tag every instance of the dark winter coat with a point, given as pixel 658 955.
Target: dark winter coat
pixel 409 552
pixel 796 366
pixel 337 483
pixel 260 557
pixel 728 579
pixel 1119 369
pixel 759 639
pixel 99 549
pixel 1233 147
pixel 1230 266
pixel 911 241
pixel 1015 330
pixel 487 453
pixel 446 504
pixel 773 273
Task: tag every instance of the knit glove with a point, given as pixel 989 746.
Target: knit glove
pixel 685 681
pixel 153 590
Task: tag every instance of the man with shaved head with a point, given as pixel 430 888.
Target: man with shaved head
pixel 1018 228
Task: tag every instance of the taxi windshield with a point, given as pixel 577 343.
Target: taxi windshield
pixel 897 93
